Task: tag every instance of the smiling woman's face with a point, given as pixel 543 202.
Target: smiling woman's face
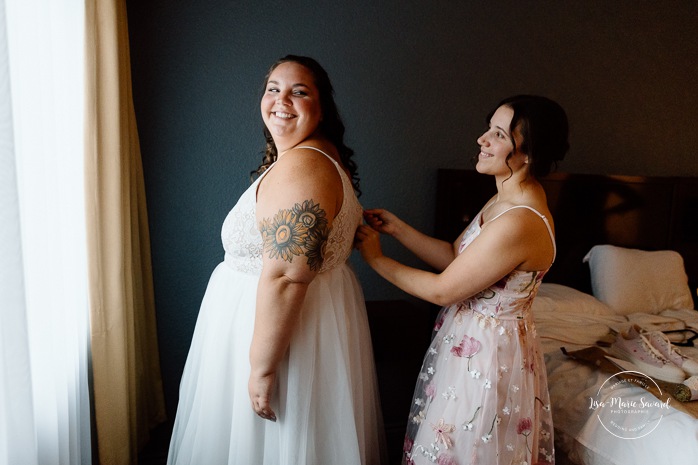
pixel 497 143
pixel 290 106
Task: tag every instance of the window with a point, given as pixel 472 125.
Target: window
pixel 44 402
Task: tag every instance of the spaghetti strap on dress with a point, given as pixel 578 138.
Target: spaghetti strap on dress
pixel 540 215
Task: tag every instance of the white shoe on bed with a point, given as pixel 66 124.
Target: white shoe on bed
pixel 661 342
pixel 635 347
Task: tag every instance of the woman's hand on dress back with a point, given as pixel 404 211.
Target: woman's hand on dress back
pixel 261 389
pixel 382 221
pixel 367 241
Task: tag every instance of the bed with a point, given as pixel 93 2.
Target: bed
pixel 627 255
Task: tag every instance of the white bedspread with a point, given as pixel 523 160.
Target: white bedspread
pixel 567 318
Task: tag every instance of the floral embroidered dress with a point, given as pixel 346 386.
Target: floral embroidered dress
pixel 326 400
pixel 482 396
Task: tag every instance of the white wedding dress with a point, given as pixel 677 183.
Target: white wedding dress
pixel 326 400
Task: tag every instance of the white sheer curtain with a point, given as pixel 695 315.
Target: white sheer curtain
pixel 44 402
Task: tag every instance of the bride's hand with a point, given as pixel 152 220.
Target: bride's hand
pixel 261 389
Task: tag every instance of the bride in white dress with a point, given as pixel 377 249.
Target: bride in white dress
pixel 280 369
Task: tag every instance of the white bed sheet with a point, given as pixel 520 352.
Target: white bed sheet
pixel 566 318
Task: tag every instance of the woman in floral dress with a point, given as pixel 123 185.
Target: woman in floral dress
pixel 481 396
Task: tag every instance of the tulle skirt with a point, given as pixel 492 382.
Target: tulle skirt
pixel 481 396
pixel 326 400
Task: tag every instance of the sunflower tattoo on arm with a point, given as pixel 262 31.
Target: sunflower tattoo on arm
pixel 301 230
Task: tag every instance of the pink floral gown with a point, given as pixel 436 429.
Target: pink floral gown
pixel 482 396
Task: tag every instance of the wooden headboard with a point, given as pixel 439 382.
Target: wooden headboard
pixel 649 213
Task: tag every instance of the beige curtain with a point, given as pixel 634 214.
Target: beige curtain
pixel 128 396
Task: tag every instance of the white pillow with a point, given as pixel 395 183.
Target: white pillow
pixel 632 280
pixel 557 298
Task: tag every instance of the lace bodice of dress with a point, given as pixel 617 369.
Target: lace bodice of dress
pixel 242 240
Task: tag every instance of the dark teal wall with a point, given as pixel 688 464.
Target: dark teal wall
pixel 414 81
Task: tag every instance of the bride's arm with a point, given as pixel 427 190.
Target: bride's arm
pixel 296 202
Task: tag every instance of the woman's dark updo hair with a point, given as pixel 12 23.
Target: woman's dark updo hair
pixel 543 126
pixel 330 126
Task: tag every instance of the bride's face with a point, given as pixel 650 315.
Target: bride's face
pixel 290 106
